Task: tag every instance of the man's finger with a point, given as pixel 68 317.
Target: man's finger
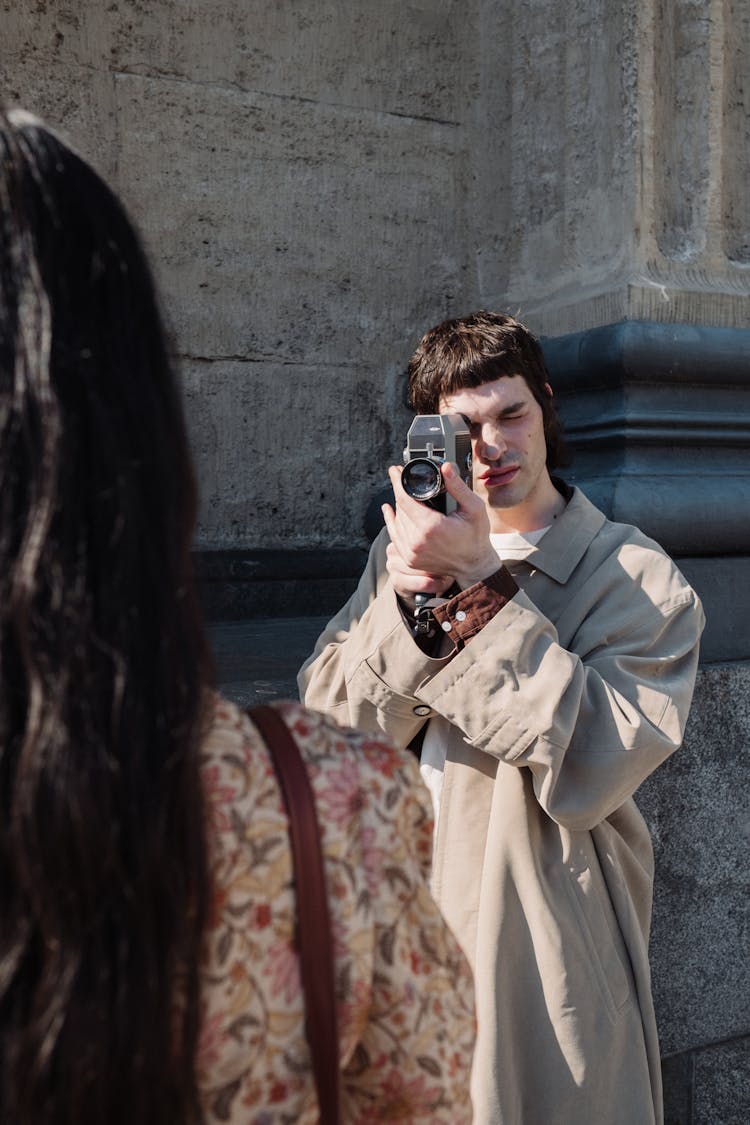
pixel 393 523
pixel 389 518
pixel 456 486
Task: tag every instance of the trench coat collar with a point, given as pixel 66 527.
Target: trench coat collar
pixel 568 539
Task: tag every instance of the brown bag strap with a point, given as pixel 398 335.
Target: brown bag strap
pixel 313 920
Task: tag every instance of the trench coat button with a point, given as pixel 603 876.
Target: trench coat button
pixel 460 615
pixel 422 709
pixel 446 626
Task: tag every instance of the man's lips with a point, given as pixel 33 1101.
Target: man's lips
pixel 499 476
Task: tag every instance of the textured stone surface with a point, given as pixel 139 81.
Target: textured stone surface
pixel 299 173
pixel 263 435
pixel 563 228
pixel 698 808
pixel 657 417
pixel 259 660
pixel 237 585
pixel 622 159
pixel 394 58
pixel 722 1085
pixel 319 183
pixel 282 235
pixel 678 1080
pixel 736 204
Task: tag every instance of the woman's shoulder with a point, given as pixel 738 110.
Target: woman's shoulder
pixel 359 779
pixel 389 774
pixel 317 736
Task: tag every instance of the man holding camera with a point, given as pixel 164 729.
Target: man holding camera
pixel 541 660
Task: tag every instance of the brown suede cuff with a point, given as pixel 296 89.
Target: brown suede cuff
pixel 462 617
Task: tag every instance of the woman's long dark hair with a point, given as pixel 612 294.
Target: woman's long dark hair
pixel 103 665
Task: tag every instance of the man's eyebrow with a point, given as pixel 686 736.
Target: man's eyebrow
pixel 506 411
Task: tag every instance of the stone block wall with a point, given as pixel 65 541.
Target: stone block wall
pixel 299 171
pixel 697 806
pixel 627 155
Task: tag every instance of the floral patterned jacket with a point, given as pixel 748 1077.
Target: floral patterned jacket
pixel 404 990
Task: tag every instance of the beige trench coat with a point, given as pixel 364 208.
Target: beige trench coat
pixel 559 708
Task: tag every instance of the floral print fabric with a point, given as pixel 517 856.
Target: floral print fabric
pixel 404 989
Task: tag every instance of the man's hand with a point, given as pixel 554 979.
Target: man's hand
pixel 407 580
pixel 429 550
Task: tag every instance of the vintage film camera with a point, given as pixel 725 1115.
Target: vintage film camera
pixel 431 440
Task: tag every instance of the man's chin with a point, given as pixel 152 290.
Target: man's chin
pixel 503 497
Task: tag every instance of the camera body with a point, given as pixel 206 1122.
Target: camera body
pixel 431 440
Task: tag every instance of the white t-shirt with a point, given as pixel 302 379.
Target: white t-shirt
pixel 508 545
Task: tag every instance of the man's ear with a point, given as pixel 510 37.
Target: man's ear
pixel 548 390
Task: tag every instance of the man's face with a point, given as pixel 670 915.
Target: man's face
pixel 509 451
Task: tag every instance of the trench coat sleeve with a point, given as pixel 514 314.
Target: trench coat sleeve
pixel 366 667
pixel 591 726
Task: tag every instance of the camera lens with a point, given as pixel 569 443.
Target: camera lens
pixel 422 479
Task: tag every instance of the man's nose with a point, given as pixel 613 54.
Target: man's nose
pixel 491 443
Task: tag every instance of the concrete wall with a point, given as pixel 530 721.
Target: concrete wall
pixel 300 171
pixel 697 806
pixel 627 157
pixel 319 182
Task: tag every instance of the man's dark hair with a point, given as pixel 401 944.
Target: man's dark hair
pixel 103 665
pixel 471 350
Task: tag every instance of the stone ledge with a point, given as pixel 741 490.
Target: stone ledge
pixel 235 585
pixel 708 1085
pixel 722 585
pixel 657 418
pixel 645 351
